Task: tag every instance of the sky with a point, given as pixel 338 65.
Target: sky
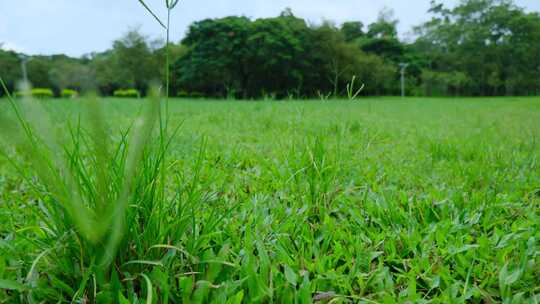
pixel 77 27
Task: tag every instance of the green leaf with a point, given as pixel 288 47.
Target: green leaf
pixel 122 299
pixel 186 288
pixel 507 278
pixel 12 285
pixel 150 289
pixel 142 262
pixel 291 276
pixel 237 299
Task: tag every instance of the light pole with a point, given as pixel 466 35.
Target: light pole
pixel 403 67
pixel 24 61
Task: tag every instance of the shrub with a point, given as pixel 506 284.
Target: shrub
pixel 128 93
pixel 67 93
pixel 19 94
pixel 183 94
pixel 197 95
pixel 42 93
pixel 37 92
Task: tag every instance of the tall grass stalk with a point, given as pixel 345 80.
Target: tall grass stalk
pixel 85 191
pixel 170 5
pixel 164 119
pixel 352 92
pixel 105 205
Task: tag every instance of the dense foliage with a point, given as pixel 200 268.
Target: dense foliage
pixel 479 47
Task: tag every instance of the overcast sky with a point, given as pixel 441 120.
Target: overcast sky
pixel 76 27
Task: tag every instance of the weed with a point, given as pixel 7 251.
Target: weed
pixel 352 91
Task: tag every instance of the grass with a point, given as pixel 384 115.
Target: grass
pixel 378 200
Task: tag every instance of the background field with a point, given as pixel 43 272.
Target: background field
pixel 379 200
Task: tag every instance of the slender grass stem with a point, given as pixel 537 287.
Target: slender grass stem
pixel 152 13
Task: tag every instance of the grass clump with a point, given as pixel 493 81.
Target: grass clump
pixel 100 217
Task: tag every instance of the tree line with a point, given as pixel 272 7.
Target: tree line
pixel 476 48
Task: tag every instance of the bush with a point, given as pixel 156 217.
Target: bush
pixel 42 93
pixel 19 94
pixel 129 93
pixel 197 95
pixel 183 94
pixel 67 93
pixel 37 93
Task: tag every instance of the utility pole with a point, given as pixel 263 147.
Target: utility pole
pixel 24 60
pixel 403 67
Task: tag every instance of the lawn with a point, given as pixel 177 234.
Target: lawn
pixel 378 200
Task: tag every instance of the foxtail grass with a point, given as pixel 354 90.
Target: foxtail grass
pixel 100 204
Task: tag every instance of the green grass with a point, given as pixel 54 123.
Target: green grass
pixel 377 200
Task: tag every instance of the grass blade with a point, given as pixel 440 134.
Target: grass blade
pixel 152 13
pixel 12 285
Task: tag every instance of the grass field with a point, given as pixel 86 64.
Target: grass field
pixel 380 200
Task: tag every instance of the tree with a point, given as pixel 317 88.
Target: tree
pixel 70 73
pixel 133 56
pixel 385 26
pixel 382 39
pixel 131 63
pixel 492 42
pixel 352 30
pixel 335 54
pixel 277 55
pixel 216 59
pixel 38 71
pixel 176 51
pixel 340 61
pixel 10 69
pixel 105 67
pixel 478 47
